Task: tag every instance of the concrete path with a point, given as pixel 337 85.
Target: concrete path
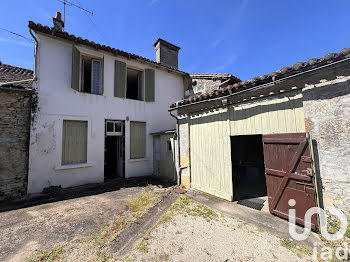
pixel 264 220
pixel 126 240
pixel 45 226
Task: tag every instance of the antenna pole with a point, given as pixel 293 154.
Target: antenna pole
pixel 64 12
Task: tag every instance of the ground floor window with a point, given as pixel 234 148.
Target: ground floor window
pixel 137 140
pixel 74 142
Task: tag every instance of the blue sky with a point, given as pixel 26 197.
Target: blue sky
pixel 246 38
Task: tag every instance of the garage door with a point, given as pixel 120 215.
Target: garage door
pixel 288 168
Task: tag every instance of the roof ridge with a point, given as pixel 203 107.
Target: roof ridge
pixel 65 35
pixel 263 79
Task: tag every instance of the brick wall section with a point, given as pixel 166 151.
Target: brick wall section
pixel 327 118
pixel 15 108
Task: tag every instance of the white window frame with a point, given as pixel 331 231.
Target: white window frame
pixel 92 58
pixel 114 133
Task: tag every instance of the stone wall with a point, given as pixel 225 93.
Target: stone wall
pixel 15 108
pixel 327 118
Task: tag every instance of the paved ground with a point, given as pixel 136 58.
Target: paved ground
pixel 42 227
pixel 193 232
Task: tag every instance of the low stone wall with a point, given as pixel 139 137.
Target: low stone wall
pixel 327 118
pixel 15 108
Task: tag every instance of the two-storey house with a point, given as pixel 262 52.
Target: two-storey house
pixel 97 108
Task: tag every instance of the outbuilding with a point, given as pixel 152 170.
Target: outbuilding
pixel 284 135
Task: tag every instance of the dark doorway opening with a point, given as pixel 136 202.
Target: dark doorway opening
pixel 248 171
pixel 114 150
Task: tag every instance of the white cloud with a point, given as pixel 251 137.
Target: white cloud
pixel 16 42
pixel 153 2
pixel 229 61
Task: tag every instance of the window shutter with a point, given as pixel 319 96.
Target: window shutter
pixel 119 79
pixel 137 140
pixel 149 85
pixel 75 68
pixel 74 142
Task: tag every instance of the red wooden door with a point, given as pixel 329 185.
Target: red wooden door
pixel 288 168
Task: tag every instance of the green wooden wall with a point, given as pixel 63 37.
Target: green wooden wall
pixel 210 132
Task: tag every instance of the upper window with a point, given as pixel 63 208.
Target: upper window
pixel 134 85
pixel 91 75
pixel 74 142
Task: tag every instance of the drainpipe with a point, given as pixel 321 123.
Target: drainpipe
pixel 177 134
pixel 35 54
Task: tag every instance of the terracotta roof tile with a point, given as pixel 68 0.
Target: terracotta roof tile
pixel 9 73
pixel 64 35
pixel 284 72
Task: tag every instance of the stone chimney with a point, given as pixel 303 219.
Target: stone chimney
pixel 166 53
pixel 58 24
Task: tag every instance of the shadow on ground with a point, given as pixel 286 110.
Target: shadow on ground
pixel 81 191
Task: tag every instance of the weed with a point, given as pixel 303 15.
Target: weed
pixel 110 231
pixel 142 201
pixel 163 256
pixel 51 189
pixel 192 208
pixel 178 232
pixel 180 249
pixel 182 186
pixel 292 246
pixel 288 243
pixel 127 259
pixel 50 256
pixel 274 256
pixel 141 245
pixel 103 256
pixel 260 229
pixel 167 217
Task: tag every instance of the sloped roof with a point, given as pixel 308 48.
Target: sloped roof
pixel 9 73
pixel 64 35
pixel 263 79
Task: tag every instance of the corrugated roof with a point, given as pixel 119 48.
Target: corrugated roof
pixel 9 73
pixel 64 35
pixel 256 81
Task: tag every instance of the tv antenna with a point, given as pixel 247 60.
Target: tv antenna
pixel 65 2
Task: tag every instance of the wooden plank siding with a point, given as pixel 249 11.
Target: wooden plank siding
pixel 210 132
pixel 210 153
pixel 277 114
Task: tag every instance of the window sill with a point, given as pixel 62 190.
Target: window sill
pixel 138 160
pixel 73 166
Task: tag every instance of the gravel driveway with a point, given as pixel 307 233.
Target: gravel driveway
pixel 195 233
pixel 45 226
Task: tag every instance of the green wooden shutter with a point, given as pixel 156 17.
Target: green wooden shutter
pixel 120 79
pixel 137 140
pixel 74 142
pixel 149 85
pixel 75 68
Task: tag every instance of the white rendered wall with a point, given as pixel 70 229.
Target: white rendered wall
pixel 58 102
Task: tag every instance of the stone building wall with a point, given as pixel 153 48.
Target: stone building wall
pixel 327 118
pixel 15 109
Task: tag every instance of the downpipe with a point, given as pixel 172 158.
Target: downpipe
pixel 177 137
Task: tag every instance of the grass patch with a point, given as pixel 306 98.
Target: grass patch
pixel 292 246
pixel 48 256
pixel 103 256
pixel 110 231
pixel 142 201
pixel 167 217
pixel 191 208
pixel 141 245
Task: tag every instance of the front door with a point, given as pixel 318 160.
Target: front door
pixel 288 168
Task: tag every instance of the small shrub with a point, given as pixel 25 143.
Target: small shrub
pixel 51 189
